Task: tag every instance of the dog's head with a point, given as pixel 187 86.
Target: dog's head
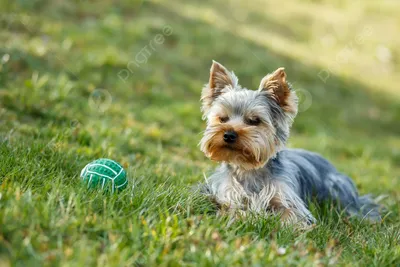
pixel 246 127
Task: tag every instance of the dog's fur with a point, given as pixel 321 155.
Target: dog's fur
pixel 257 171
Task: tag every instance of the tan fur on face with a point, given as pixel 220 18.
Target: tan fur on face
pixel 246 152
pixel 274 104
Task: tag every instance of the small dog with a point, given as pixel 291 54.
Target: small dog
pixel 247 131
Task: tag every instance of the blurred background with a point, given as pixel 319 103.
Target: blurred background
pixel 123 78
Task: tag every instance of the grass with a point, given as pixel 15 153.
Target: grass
pixel 342 56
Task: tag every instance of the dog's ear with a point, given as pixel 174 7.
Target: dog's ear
pixel 276 86
pixel 220 78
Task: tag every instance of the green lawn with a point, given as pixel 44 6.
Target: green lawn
pixel 80 80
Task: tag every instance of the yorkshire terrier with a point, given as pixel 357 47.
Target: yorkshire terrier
pixel 247 131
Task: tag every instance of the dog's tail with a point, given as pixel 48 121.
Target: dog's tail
pixel 369 208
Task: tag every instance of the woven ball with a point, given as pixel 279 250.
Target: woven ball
pixel 105 174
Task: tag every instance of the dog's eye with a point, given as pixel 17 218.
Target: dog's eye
pixel 253 121
pixel 223 119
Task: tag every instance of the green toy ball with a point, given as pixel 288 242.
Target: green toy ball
pixel 104 173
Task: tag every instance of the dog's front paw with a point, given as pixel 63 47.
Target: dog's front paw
pixel 289 217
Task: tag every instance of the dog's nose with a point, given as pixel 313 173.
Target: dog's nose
pixel 230 137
